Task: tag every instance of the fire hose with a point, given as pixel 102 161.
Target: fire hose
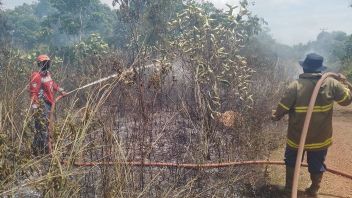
pixel 306 126
pixel 225 164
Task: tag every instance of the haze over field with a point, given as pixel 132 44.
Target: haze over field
pixel 158 95
pixel 290 21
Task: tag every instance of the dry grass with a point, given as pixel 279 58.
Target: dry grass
pixel 126 121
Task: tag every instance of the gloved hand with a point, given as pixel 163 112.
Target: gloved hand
pixel 34 106
pixel 36 110
pixel 342 78
pixel 344 81
pixel 64 93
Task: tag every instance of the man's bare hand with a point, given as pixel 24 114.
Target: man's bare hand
pixel 273 116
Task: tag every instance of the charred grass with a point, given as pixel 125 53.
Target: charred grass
pixel 143 119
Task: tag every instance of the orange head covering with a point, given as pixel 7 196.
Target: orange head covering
pixel 43 57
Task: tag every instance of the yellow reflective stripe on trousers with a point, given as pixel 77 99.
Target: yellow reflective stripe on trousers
pixel 284 106
pixel 315 109
pixel 345 96
pixel 311 146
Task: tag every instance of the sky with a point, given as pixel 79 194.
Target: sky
pixel 290 21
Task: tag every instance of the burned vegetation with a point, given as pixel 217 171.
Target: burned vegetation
pixel 186 91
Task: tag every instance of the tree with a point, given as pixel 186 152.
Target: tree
pixel 3 27
pixel 44 8
pixel 210 44
pixel 56 23
pixel 144 22
pixel 329 44
pixel 348 50
pixel 346 60
pixel 24 26
pixel 79 18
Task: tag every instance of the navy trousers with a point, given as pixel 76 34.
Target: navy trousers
pixel 315 160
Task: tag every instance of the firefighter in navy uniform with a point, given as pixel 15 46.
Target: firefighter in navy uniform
pixel 42 91
pixel 295 103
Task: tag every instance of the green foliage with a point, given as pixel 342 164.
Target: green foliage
pixel 94 45
pixel 346 60
pixel 210 44
pixel 144 22
pixel 331 44
pixel 347 57
pixel 57 23
pixel 44 8
pixel 24 25
pixel 335 47
pixel 328 44
pixel 81 18
pixel 4 34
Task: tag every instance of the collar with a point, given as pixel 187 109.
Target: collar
pixel 311 75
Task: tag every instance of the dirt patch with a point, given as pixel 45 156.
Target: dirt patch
pixel 339 157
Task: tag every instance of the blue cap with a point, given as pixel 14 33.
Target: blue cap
pixel 313 63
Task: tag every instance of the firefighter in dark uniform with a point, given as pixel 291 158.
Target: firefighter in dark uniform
pixel 295 103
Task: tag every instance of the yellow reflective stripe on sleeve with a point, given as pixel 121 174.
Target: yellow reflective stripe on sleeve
pixel 311 146
pixel 284 106
pixel 345 96
pixel 315 109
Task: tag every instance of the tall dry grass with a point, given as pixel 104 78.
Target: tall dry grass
pixel 147 117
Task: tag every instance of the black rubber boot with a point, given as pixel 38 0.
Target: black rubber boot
pixel 289 181
pixel 312 191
